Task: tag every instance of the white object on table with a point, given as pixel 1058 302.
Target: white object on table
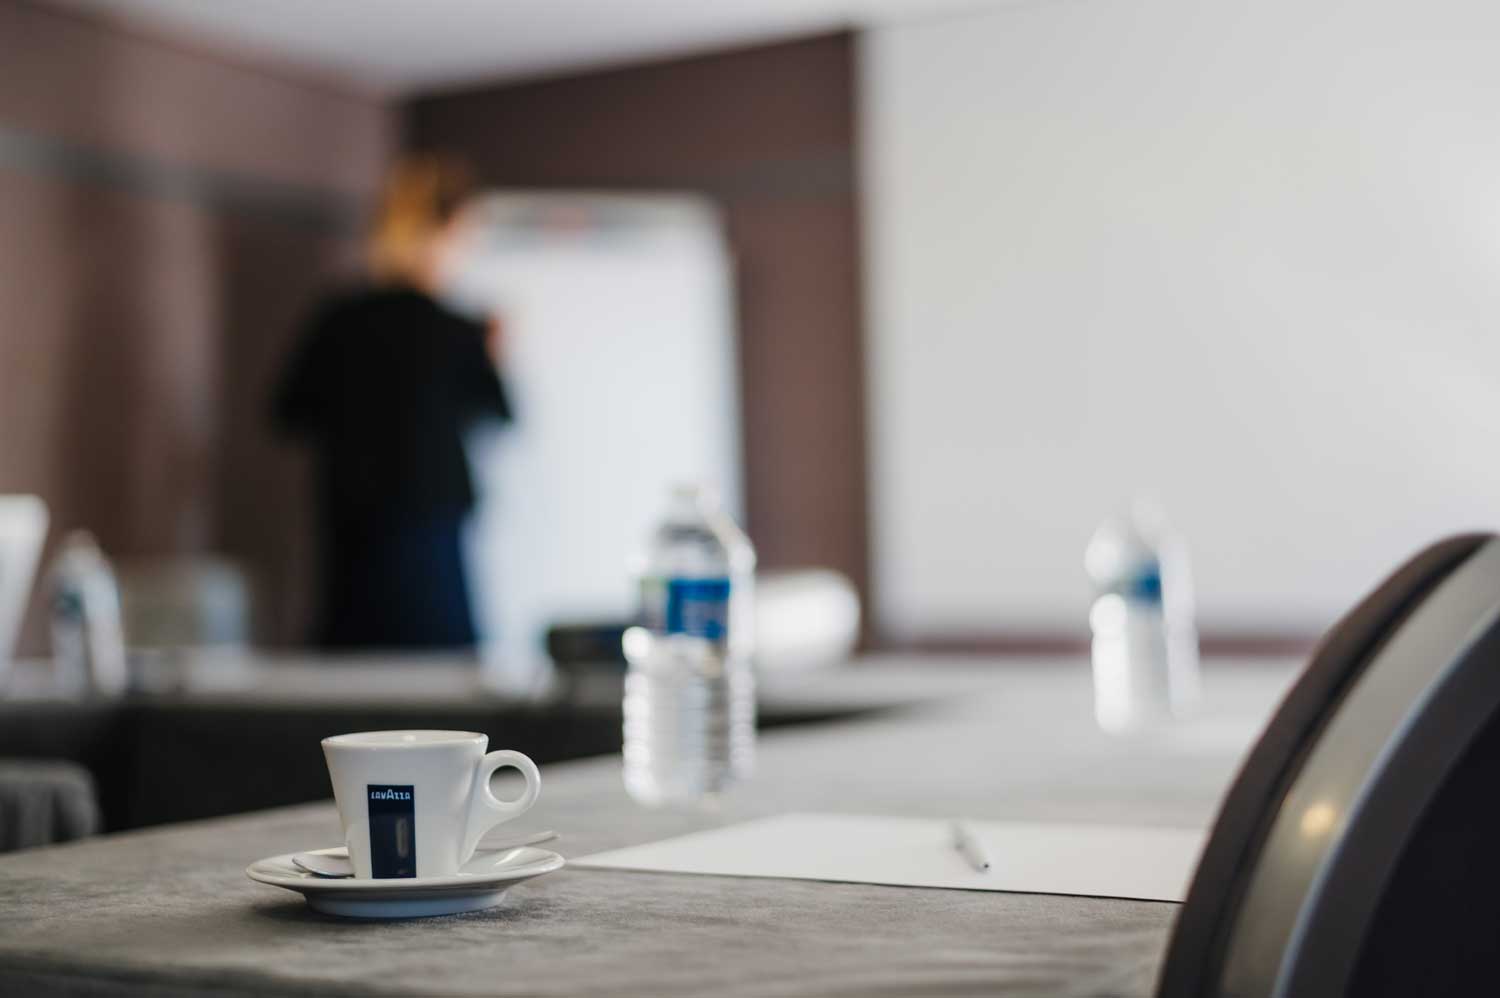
pixel 416 803
pixel 1121 861
pixel 804 619
pixel 23 528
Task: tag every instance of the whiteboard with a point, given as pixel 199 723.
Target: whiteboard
pixel 620 358
pixel 1242 257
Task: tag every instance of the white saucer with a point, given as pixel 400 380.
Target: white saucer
pixel 479 883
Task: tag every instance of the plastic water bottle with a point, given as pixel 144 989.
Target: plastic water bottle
pixel 1145 645
pixel 88 643
pixel 689 688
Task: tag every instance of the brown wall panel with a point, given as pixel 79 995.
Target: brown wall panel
pixel 111 382
pixel 167 217
pixel 767 132
pixel 802 377
pixel 85 81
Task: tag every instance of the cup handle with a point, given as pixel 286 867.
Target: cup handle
pixel 485 809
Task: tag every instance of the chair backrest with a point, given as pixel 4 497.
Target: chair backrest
pixel 200 601
pixel 1358 851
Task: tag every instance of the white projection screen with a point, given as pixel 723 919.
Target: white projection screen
pixel 1243 257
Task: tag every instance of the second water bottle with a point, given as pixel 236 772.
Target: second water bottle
pixel 689 689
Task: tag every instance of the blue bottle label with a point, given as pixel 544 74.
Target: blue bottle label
pixel 695 607
pixel 1145 584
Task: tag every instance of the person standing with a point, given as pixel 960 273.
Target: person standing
pixel 383 384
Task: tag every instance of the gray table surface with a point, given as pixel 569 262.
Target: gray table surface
pixel 170 912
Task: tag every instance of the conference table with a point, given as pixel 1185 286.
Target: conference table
pixel 170 911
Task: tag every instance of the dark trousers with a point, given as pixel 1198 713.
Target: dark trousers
pixel 395 583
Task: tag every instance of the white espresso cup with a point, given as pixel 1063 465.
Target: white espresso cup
pixel 415 803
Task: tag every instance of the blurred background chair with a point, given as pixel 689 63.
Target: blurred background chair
pixel 45 801
pixel 190 602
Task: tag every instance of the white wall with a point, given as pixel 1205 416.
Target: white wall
pixel 1243 256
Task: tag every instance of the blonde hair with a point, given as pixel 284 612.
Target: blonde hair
pixel 421 195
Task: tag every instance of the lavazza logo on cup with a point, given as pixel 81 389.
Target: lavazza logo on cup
pixel 390 793
pixel 393 832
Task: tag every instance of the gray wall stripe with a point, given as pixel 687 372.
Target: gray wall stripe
pixel 213 190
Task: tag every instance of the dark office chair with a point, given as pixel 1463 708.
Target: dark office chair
pixel 1358 852
pixel 45 801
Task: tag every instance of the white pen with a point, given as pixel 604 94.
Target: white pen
pixel 969 848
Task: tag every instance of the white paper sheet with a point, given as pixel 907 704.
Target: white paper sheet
pixel 1096 860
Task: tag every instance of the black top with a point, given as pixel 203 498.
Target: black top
pixel 384 383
